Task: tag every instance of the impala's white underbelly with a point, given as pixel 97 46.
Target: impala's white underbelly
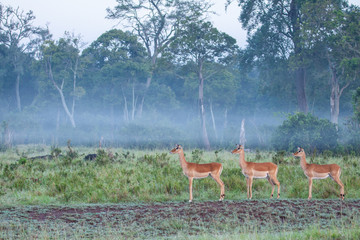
pixel 197 175
pixel 256 174
pixel 320 176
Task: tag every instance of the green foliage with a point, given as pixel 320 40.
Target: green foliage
pixel 258 155
pixel 327 154
pixel 196 155
pixel 102 157
pixel 356 105
pixel 156 161
pixel 279 157
pixel 351 132
pixel 143 175
pixel 22 161
pixel 306 131
pixel 55 152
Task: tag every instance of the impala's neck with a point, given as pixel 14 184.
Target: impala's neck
pixel 242 159
pixel 183 162
pixel 303 162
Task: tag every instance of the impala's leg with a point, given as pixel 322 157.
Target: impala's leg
pixel 221 184
pixel 250 186
pixel 190 188
pixel 338 181
pixel 275 181
pixel 272 185
pixel 310 188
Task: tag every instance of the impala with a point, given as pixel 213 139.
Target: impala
pixel 194 170
pixel 316 171
pixel 257 170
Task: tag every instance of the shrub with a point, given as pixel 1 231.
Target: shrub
pixel 197 155
pixel 22 161
pixel 102 157
pixel 306 131
pixel 356 105
pixel 278 158
pixel 55 152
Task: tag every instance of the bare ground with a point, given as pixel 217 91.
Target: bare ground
pixel 170 218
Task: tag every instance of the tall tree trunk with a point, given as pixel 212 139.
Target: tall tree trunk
pixel 336 93
pixel 242 139
pixel 334 100
pixel 70 115
pixel 213 120
pixel 300 90
pixel 16 64
pixel 133 103
pixel 126 111
pixel 148 81
pixel 202 109
pixel 225 125
pixel 17 90
pixel 60 90
pixel 225 118
pixel 300 83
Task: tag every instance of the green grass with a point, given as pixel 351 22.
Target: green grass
pixel 142 176
pixel 139 175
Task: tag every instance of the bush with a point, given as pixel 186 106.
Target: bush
pixel 55 152
pixel 351 132
pixel 279 157
pixel 356 105
pixel 306 131
pixel 197 155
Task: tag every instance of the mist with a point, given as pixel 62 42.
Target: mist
pixel 132 89
pixel 154 129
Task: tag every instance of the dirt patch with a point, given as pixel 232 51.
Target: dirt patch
pixel 164 219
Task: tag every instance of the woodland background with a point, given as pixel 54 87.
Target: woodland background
pixel 166 75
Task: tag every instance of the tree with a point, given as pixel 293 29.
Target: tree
pixel 200 43
pixel 20 37
pixel 156 23
pixel 62 63
pixel 332 30
pixel 306 131
pixel 120 60
pixel 356 105
pixel 281 21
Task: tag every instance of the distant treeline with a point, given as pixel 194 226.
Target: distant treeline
pixel 169 76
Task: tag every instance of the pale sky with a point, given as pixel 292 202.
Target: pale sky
pixel 87 17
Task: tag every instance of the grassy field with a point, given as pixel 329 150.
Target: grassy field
pixel 121 177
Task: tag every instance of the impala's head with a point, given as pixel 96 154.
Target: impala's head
pixel 300 152
pixel 176 149
pixel 239 148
